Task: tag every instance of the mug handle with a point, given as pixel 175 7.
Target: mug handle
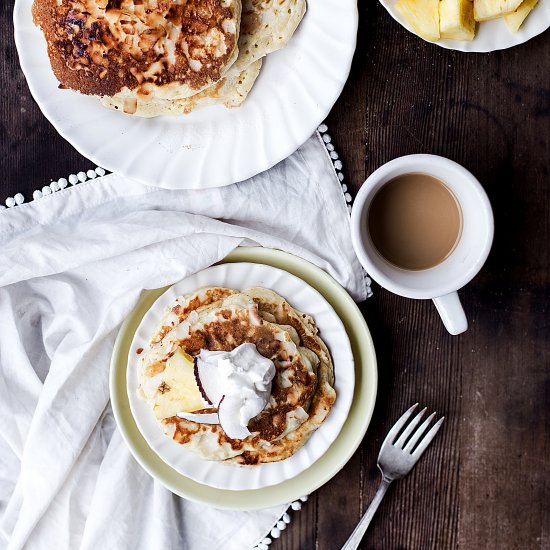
pixel 451 313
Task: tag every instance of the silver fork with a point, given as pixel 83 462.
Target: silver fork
pixel 397 457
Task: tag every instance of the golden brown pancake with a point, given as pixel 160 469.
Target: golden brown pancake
pixel 266 26
pixel 230 91
pixel 183 306
pixel 143 48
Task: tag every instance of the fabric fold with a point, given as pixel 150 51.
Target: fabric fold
pixel 73 265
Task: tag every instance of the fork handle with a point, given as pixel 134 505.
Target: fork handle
pixel 355 538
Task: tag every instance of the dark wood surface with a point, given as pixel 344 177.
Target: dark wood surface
pixel 484 483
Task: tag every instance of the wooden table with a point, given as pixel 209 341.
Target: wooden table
pixel 484 483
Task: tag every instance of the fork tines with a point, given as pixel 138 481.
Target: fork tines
pixel 409 438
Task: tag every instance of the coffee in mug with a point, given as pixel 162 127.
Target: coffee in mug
pixel 414 221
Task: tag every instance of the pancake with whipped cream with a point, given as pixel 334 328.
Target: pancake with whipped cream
pixel 237 376
pixel 139 49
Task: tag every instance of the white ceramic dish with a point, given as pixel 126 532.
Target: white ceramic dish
pixel 490 35
pixel 213 146
pixel 303 297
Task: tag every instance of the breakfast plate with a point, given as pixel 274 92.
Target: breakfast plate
pixel 240 276
pixel 490 35
pixel 212 146
pixel 321 470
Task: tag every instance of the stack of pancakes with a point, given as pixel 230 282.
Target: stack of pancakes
pixel 220 319
pixel 155 57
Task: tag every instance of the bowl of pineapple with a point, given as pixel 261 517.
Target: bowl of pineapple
pixel 472 25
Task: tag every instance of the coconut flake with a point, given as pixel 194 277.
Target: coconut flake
pixel 228 413
pixel 208 380
pixel 200 418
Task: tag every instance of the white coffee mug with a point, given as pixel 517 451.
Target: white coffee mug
pixel 439 283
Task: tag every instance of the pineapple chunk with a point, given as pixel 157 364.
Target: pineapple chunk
pixel 423 17
pixel 456 19
pixel 516 19
pixel 490 9
pixel 178 391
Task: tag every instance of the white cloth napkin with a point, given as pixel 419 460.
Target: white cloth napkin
pixel 72 266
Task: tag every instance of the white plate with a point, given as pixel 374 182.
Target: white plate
pixel 212 146
pixel 303 297
pixel 490 35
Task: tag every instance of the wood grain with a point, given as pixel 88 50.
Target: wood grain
pixel 484 483
pixel 31 151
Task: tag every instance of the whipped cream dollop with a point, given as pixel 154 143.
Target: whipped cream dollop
pixel 238 383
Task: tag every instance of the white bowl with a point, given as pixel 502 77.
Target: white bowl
pixel 490 35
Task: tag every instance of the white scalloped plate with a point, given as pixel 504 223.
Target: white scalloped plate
pixel 304 298
pixel 212 146
pixel 490 35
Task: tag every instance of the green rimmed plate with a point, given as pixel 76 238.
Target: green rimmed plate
pixel 323 469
